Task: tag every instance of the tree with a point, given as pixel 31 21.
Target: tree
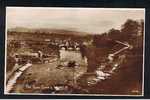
pixel 114 34
pixel 130 29
pixel 142 26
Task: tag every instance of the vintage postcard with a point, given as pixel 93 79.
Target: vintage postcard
pixel 74 51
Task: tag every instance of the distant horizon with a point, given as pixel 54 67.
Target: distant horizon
pixel 89 20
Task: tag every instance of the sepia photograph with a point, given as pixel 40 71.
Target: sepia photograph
pixel 74 51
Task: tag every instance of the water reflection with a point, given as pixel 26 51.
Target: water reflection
pixel 66 55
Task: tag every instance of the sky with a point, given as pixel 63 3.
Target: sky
pixel 91 20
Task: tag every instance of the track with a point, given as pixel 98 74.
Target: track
pixel 15 75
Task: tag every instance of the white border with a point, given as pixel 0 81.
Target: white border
pixel 73 94
pixel 143 53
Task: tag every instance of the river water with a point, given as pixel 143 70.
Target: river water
pixel 66 55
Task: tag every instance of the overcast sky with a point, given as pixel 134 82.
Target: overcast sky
pixel 92 20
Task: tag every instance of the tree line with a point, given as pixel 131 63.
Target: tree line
pixel 129 32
